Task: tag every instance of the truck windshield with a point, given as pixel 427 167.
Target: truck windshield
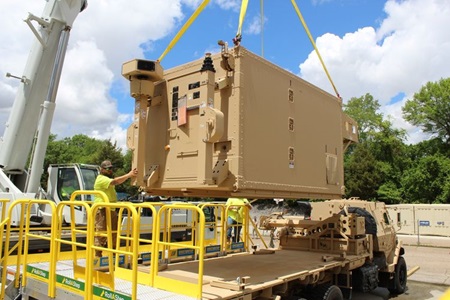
pixel 88 176
pixel 68 183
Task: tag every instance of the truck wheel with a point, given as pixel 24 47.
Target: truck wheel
pixel 398 283
pixel 333 293
pixel 326 292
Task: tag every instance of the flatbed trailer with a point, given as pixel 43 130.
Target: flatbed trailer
pixel 332 254
pixel 78 275
pixel 259 274
pixel 265 274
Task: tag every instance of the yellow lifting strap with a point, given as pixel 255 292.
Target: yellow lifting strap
pixel 314 45
pixel 184 28
pixel 238 37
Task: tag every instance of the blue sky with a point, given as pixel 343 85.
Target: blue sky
pixel 282 40
pixel 285 42
pixel 388 48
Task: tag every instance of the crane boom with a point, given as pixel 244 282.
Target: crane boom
pixel 34 103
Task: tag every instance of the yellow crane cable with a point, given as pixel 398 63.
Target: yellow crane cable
pixel 314 45
pixel 184 28
pixel 244 5
pixel 237 40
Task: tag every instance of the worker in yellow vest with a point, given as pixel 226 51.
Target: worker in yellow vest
pixel 106 182
pixel 236 207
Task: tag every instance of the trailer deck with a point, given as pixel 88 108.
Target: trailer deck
pixel 257 272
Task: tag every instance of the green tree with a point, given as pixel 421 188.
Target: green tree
pixel 127 160
pixel 83 149
pixel 390 151
pixel 362 174
pixel 390 193
pixel 428 180
pixel 428 147
pixel 364 111
pixel 380 158
pixel 77 149
pixel 430 109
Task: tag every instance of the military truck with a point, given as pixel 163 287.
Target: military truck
pixel 358 236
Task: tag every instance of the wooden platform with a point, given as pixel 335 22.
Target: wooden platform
pixel 234 275
pixel 259 271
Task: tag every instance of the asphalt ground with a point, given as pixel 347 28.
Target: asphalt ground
pixel 432 255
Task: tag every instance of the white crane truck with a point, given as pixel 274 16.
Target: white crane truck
pixel 28 126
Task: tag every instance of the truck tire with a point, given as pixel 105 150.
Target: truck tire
pixel 326 292
pixel 398 284
pixel 333 293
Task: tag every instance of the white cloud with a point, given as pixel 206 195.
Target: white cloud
pixel 410 48
pixel 192 3
pixel 229 4
pixel 255 25
pixel 102 38
pixel 86 106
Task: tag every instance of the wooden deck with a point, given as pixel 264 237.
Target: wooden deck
pixel 259 271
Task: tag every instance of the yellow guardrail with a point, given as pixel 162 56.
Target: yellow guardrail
pixel 218 223
pixel 133 241
pixel 29 234
pixel 3 256
pixel 175 285
pixel 122 260
pixel 245 222
pixel 24 234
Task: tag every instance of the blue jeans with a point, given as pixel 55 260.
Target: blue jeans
pixel 237 229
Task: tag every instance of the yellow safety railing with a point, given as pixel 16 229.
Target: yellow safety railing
pixel 129 243
pixel 86 273
pixel 244 225
pixel 174 285
pixel 4 253
pixel 217 224
pixel 24 233
pixel 28 234
pixel 131 235
pixel 76 242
